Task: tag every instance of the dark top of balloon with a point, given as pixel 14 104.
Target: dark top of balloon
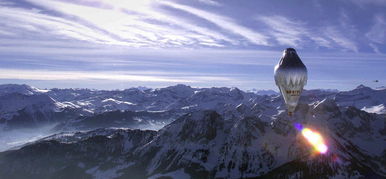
pixel 291 59
pixel 290 49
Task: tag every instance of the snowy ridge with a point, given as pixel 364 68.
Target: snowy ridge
pixel 364 98
pixel 203 144
pixel 207 133
pixel 21 89
pixel 180 97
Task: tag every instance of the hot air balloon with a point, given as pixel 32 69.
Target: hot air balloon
pixel 290 77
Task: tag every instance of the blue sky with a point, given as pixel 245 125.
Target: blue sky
pixel 115 44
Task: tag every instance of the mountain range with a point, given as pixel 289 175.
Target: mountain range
pixel 185 132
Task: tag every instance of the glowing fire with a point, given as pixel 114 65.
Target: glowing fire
pixel 314 138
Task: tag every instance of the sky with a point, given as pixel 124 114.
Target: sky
pixel 117 44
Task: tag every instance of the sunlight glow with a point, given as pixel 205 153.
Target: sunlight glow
pixel 315 139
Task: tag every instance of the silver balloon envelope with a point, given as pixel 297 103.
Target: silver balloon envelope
pixel 290 77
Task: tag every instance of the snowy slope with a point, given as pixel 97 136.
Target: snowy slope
pixel 203 144
pixel 362 97
pixel 24 106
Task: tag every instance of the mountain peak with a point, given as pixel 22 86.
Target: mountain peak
pixel 195 126
pixel 180 87
pixel 361 86
pixel 19 88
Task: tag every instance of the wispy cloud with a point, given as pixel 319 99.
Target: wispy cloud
pixel 130 23
pixel 210 2
pixel 375 48
pixel 340 39
pixel 297 33
pixel 168 24
pixel 285 31
pixel 377 32
pixel 224 22
pixel 33 22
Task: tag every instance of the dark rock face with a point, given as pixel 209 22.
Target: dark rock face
pixel 54 158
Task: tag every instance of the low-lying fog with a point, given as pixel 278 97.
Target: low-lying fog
pixel 13 139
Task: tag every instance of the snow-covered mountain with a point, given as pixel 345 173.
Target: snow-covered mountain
pixel 205 133
pixel 179 97
pixel 20 89
pixel 177 100
pixel 23 106
pixel 203 145
pixel 365 98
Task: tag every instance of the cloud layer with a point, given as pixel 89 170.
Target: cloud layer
pixel 171 24
pixel 201 42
